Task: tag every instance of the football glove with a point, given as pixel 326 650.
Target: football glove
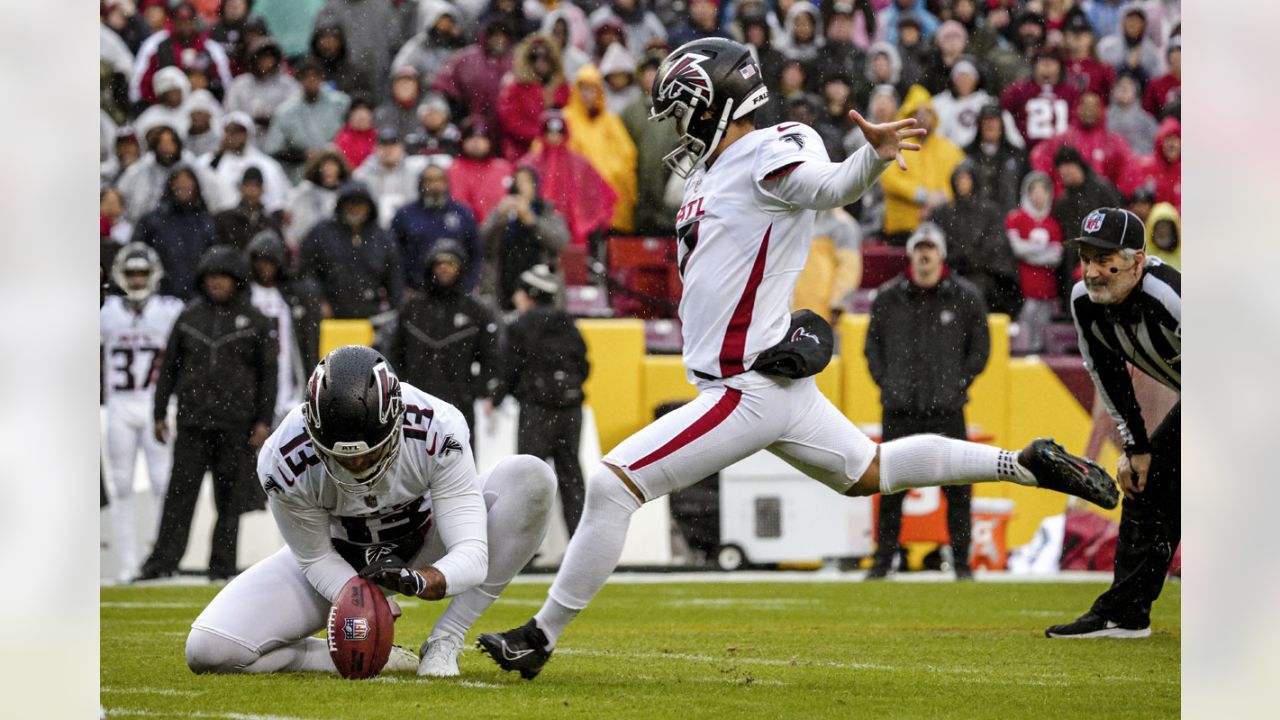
pixel 391 573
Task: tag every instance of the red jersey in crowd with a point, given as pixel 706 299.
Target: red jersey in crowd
pixel 1108 153
pixel 1038 240
pixel 1040 111
pixel 1160 172
pixel 520 108
pixel 355 145
pixel 1091 75
pixel 1160 93
pixel 479 183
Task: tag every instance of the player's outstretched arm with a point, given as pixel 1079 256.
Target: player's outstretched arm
pixel 819 185
pixel 890 139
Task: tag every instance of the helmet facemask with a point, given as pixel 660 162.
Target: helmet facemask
pixel 137 258
pixel 364 481
pixel 690 151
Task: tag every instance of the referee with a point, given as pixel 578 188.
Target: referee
pixel 1128 309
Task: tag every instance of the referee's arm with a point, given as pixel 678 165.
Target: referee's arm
pixel 1110 375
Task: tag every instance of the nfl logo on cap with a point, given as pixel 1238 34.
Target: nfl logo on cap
pixel 1093 223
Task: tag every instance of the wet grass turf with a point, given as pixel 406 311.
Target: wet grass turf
pixel 699 651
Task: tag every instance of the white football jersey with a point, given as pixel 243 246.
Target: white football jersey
pixel 435 468
pixel 741 250
pixel 132 343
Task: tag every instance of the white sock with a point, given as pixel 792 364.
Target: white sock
pixel 518 494
pixel 932 460
pixel 552 619
pixel 593 551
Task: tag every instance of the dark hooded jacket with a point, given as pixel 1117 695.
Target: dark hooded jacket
pixel 976 246
pixel 546 359
pixel 418 228
pixel 925 346
pixel 358 269
pixel 1000 173
pixel 301 293
pixel 240 224
pixel 1070 209
pixel 221 357
pixel 442 332
pixel 347 76
pixel 180 233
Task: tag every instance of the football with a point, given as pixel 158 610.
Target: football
pixel 360 630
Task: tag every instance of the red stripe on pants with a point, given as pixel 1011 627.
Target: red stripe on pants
pixel 735 338
pixel 700 427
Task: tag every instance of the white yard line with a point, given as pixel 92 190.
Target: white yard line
pixel 151 691
pixel 975 675
pixel 752 603
pixel 133 712
pixel 823 577
pixel 147 605
pixel 413 680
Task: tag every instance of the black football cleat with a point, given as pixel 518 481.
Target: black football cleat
pixel 523 649
pixel 1057 469
pixel 1089 625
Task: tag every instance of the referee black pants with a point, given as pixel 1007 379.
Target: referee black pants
pixel 227 454
pixel 898 424
pixel 554 434
pixel 1150 530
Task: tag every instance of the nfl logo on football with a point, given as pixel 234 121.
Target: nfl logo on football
pixel 355 628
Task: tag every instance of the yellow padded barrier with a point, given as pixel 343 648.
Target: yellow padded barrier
pixel 336 333
pixel 615 388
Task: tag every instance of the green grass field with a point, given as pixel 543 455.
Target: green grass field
pixel 775 650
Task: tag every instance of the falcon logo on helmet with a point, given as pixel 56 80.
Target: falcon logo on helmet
pixel 688 76
pixel 704 85
pixel 354 415
pixel 389 401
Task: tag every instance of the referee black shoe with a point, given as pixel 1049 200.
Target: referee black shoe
pixel 523 649
pixel 1090 625
pixel 1057 469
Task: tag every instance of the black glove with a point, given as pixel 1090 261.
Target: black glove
pixel 391 573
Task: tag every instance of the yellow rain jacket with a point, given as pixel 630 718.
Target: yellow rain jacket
pixel 1162 212
pixel 604 141
pixel 928 170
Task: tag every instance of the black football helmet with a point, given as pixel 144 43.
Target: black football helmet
pixel 704 85
pixel 353 408
pixel 136 258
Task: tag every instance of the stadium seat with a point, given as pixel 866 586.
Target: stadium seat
pixel 662 337
pixel 881 263
pixel 586 301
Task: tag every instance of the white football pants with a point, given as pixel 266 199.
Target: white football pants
pixel 130 428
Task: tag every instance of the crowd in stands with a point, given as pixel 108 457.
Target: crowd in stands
pixel 365 132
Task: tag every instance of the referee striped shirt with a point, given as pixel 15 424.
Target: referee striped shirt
pixel 1145 330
